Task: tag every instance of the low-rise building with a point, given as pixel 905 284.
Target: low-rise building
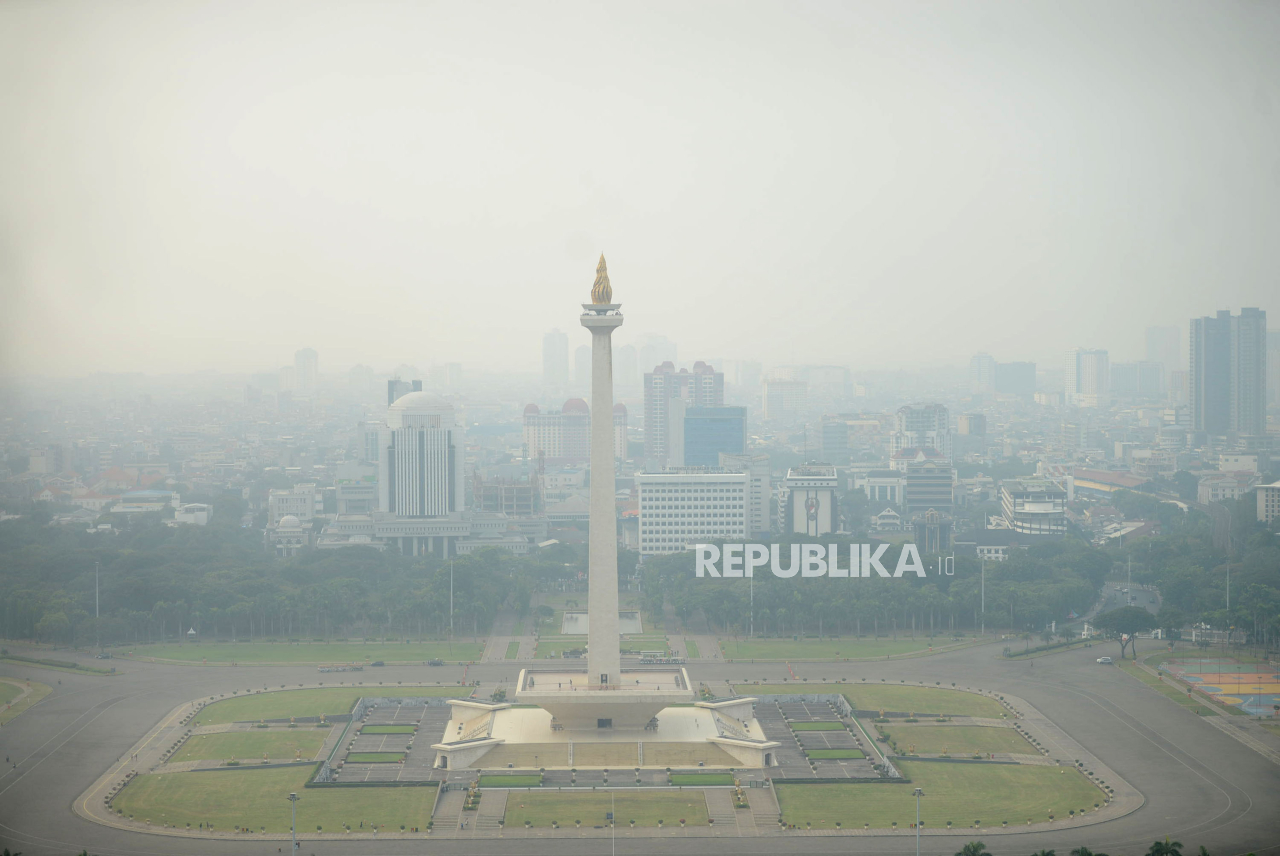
pixel 684 506
pixel 1269 502
pixel 1034 506
pixel 1219 487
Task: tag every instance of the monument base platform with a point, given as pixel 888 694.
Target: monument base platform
pixel 707 734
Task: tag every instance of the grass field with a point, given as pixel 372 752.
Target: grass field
pixel 8 692
pixel 387 729
pixel 256 798
pixel 645 809
pixel 691 649
pixel 959 739
pixel 38 692
pixel 891 697
pixel 820 649
pixel 510 781
pixel 375 757
pixel 834 754
pixel 312 702
pixel 513 650
pixel 817 726
pixel 250 745
pixel 310 652
pixel 960 793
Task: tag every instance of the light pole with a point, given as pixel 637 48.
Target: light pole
pixel 751 588
pixel 293 827
pixel 97 627
pixel 613 825
pixel 984 597
pixel 919 793
pixel 451 600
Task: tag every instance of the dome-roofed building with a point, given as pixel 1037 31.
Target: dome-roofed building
pixel 420 458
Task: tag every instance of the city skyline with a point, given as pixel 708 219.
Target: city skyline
pixel 253 196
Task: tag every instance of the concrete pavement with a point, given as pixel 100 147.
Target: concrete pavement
pixel 1199 785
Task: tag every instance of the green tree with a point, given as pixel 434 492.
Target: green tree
pixel 1126 623
pixel 1085 851
pixel 974 848
pixel 1165 848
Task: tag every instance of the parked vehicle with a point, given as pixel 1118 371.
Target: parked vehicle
pixel 1106 661
pixel 435 662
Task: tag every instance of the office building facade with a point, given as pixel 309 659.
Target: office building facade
pixel 420 459
pixel 1228 378
pixel 701 387
pixel 684 506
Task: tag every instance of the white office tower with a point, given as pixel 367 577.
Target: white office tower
pixel 306 369
pixel 420 458
pixel 921 426
pixel 1087 377
pixel 555 360
pixel 982 373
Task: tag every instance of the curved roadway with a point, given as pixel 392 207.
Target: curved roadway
pixel 1201 786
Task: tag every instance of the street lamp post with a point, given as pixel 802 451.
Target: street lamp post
pixel 919 793
pixel 97 627
pixel 984 597
pixel 293 826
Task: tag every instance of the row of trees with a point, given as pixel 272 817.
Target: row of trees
pixel 157 581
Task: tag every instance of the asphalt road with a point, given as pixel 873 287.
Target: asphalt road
pixel 1201 786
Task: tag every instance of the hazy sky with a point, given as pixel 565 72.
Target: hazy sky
pixel 193 185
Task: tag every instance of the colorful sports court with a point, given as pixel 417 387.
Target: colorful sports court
pixel 1254 687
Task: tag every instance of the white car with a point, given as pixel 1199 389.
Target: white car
pixel 1106 661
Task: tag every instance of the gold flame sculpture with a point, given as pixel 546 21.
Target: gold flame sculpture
pixel 601 293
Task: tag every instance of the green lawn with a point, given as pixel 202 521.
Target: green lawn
pixel 891 697
pixel 960 793
pixel 691 649
pixel 701 780
pixel 834 754
pixel 513 650
pixel 313 702
pixel 8 692
pixel 277 743
pixel 256 798
pixel 38 692
pixel 387 729
pixel 510 781
pixel 817 726
pixel 375 757
pixel 542 807
pixel 820 649
pixel 310 652
pixel 959 739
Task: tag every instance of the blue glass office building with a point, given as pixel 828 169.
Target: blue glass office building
pixel 708 431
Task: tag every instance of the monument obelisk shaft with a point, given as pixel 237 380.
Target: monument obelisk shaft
pixel 602 317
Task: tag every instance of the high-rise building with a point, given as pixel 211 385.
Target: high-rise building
pixel 702 387
pixel 1228 373
pixel 626 369
pixel 972 424
pixel 921 426
pixel 982 373
pixel 564 436
pixel 420 460
pixel 397 389
pixel 1086 377
pixel 1141 380
pixel 1016 379
pixel 306 372
pixel 704 433
pixel 759 494
pixel 785 400
pixel 555 360
pixel 1273 366
pixel 582 368
pixel 1164 346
